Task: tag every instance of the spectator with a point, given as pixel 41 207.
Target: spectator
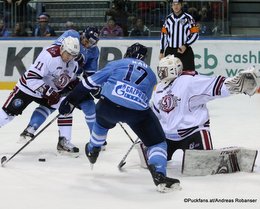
pixel 119 14
pixel 206 22
pixel 43 28
pixel 140 29
pixel 3 29
pixel 19 30
pixel 111 29
pixel 194 13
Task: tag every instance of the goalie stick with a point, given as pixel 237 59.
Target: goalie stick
pixel 4 159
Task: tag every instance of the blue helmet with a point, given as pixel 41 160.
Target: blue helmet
pixel 136 51
pixel 92 34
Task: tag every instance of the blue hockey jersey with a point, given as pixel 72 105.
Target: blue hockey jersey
pixel 128 82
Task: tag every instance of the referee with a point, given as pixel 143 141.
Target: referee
pixel 178 33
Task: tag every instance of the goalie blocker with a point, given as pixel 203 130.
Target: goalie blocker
pixel 218 161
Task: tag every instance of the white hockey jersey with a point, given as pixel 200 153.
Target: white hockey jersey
pixel 47 69
pixel 181 106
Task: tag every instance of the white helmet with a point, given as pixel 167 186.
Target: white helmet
pixel 170 67
pixel 70 45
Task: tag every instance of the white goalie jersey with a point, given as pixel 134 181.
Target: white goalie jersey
pixel 181 104
pixel 47 69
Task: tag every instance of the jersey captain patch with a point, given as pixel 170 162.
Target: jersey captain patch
pixel 168 102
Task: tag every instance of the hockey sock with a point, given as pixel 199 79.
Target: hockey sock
pixel 39 116
pixel 157 156
pixel 98 135
pixel 65 126
pixel 90 119
pixel 88 107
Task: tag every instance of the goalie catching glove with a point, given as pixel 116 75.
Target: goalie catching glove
pixel 247 82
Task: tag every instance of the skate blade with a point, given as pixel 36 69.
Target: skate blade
pixel 163 189
pixel 70 154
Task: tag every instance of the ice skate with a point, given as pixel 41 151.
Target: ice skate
pixel 92 154
pixel 164 184
pixel 25 136
pixel 65 147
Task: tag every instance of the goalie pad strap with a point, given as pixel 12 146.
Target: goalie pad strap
pixel 206 139
pixel 234 162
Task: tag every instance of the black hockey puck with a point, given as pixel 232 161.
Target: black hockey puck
pixel 42 159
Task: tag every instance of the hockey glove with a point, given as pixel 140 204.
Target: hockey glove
pixel 51 95
pixel 66 107
pixel 73 84
pixel 77 95
pixel 80 59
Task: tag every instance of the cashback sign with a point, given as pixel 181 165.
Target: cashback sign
pixel 226 58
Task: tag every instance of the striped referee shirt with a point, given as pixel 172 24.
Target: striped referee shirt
pixel 178 31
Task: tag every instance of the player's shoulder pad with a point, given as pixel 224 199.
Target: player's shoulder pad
pixel 54 50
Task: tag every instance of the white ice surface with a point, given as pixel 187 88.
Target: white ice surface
pixel 63 182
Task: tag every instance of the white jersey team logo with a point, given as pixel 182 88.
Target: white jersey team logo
pixel 62 80
pixel 168 102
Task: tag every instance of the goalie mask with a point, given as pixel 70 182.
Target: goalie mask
pixel 70 45
pixel 169 68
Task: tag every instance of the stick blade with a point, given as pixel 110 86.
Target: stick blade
pixel 120 165
pixel 3 160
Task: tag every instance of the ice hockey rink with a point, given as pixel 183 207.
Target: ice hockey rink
pixel 64 182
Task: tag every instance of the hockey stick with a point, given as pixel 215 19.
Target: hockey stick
pixel 126 132
pixel 122 162
pixel 4 159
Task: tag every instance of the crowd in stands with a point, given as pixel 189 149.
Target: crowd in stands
pixel 121 20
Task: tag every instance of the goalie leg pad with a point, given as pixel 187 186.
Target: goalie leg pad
pixel 218 161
